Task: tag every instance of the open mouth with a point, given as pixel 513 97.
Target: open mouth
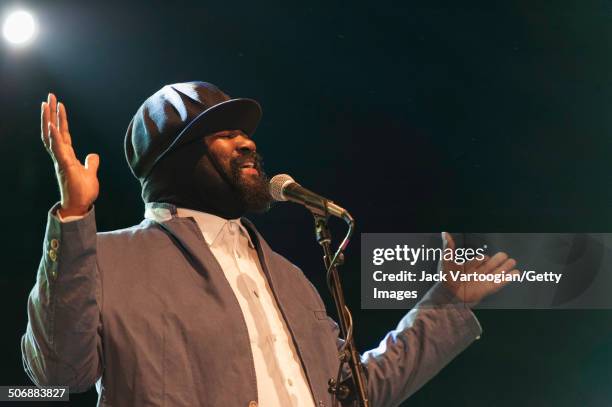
pixel 249 167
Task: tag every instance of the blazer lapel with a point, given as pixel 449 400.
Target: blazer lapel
pixel 291 309
pixel 186 235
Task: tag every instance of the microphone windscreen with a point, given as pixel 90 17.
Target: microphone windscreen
pixel 278 184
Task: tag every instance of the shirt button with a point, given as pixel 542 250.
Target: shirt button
pixel 290 382
pixel 252 404
pixel 54 244
pixel 52 255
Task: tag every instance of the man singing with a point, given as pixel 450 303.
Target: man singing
pixel 192 307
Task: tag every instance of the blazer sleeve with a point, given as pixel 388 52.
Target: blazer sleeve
pixel 424 341
pixel 62 344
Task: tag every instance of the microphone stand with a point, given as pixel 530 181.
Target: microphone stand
pixel 348 352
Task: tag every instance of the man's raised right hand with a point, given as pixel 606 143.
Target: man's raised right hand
pixel 78 183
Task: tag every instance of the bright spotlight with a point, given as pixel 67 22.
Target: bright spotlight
pixel 19 27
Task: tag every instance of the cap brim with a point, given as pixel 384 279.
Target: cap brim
pixel 234 114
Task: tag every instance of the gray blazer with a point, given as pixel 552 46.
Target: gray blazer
pixel 147 315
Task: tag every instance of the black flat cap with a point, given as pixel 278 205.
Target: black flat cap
pixel 179 113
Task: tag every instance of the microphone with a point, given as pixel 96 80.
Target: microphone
pixel 284 188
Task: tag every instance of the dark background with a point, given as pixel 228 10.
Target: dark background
pixel 417 116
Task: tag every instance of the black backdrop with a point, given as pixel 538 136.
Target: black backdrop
pixel 417 116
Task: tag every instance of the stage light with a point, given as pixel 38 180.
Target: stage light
pixel 19 27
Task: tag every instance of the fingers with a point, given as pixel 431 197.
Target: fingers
pixel 506 266
pixel 498 263
pixel 475 263
pixel 44 124
pixel 53 112
pixel 480 263
pixel 55 144
pixel 48 115
pixel 450 242
pixel 494 262
pixel 60 152
pixel 52 102
pixel 62 123
pixel 92 162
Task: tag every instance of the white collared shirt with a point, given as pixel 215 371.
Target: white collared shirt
pixel 281 381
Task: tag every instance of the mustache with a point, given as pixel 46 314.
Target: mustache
pixel 252 156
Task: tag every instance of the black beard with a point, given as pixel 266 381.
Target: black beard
pixel 253 190
pixel 190 178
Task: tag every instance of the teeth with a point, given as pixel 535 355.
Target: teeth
pixel 249 165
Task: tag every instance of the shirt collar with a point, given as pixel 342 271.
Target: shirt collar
pixel 210 225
